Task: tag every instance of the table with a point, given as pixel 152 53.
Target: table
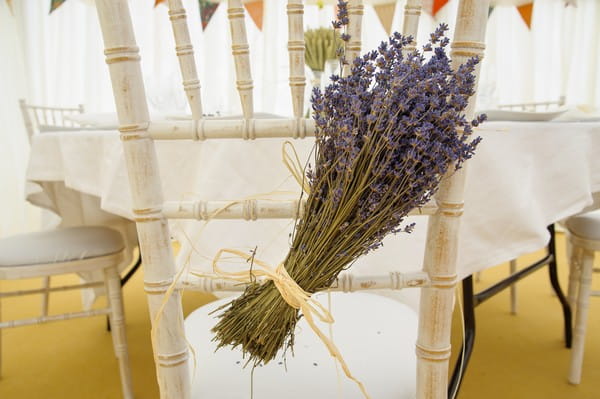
pixel 524 177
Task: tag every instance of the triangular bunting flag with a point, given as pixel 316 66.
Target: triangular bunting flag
pixel 526 11
pixel 490 10
pixel 54 4
pixel 437 4
pixel 433 6
pixel 385 12
pixel 207 9
pixel 157 2
pixel 255 9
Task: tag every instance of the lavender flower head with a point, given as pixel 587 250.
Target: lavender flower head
pixel 386 135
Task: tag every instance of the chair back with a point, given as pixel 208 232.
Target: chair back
pixel 38 118
pixel 438 277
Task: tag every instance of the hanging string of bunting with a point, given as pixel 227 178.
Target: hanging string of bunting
pixel 208 7
pixel 525 10
pixel 385 11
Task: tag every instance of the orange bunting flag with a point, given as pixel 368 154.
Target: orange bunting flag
pixel 526 12
pixel 256 9
pixel 157 2
pixel 385 13
pixel 433 6
pixel 437 4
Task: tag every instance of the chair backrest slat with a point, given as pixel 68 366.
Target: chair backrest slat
pixel 122 57
pixel 353 47
pixel 26 119
pixel 241 55
pixel 296 48
pixel 410 27
pixel 185 55
pixel 437 301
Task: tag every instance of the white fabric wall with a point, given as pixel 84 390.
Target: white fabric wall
pixel 15 214
pixel 57 59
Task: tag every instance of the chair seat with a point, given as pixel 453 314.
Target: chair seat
pixel 62 245
pixel 376 336
pixel 586 225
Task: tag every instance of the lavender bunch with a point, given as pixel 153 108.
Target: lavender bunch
pixel 386 136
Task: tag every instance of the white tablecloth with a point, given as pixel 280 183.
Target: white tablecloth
pixel 524 176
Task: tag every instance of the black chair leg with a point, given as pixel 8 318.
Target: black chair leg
pixel 466 350
pixel 124 281
pixel 553 273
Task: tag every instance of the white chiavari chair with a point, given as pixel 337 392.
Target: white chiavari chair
pixel 583 240
pixel 138 133
pixel 65 251
pixel 38 118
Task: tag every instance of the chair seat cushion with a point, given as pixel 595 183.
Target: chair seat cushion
pixel 376 336
pixel 62 245
pixel 585 225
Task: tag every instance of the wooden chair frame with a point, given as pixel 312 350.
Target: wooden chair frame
pixel 581 269
pixel 138 134
pixel 114 309
pixel 43 118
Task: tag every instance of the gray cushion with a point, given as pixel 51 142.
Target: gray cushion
pixel 585 225
pixel 60 245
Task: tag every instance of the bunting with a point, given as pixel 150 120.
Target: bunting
pixel 207 9
pixel 526 11
pixel 255 10
pixel 54 4
pixel 385 13
pixel 433 6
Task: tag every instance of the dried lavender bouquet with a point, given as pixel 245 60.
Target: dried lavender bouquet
pixel 385 137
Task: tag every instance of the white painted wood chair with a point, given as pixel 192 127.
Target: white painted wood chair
pixel 70 251
pixel 38 118
pixel 583 234
pixel 437 279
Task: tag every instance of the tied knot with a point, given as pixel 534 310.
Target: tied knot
pixel 290 291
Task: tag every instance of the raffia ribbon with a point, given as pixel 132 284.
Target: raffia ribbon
pixel 293 295
pixel 293 164
pixel 290 291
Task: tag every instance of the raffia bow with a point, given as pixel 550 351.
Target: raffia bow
pixel 293 295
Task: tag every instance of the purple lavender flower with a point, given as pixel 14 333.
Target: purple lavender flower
pixel 391 130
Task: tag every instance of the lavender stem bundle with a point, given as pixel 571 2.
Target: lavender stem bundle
pixel 385 137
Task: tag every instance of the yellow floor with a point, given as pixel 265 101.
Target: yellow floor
pixel 520 356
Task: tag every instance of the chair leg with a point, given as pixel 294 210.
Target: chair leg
pixel 574 274
pixel 513 288
pixel 469 322
pixel 117 321
pixel 553 274
pixel 583 299
pixel 45 295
